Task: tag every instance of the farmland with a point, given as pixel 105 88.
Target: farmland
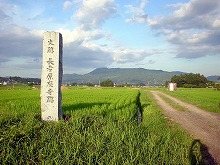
pixel 205 98
pixel 100 126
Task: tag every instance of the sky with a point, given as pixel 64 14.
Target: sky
pixel 169 35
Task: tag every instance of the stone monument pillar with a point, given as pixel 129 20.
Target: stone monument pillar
pixel 51 77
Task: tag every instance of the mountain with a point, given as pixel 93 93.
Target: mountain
pixel 16 79
pixel 213 78
pixel 122 75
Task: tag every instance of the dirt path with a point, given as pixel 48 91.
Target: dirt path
pixel 201 124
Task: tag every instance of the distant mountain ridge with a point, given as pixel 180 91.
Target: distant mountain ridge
pixel 213 78
pixel 117 75
pixel 16 79
pixel 122 75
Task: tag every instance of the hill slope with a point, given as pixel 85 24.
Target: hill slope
pixel 122 75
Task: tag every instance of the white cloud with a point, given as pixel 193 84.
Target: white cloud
pixel 192 28
pixel 130 55
pixel 189 45
pixel 4 7
pixel 197 14
pixel 90 17
pixel 20 51
pixel 16 41
pixel 79 49
pixel 67 5
pixel 175 5
pixel 197 8
pixel 216 23
pixel 143 4
pixel 137 14
pixel 93 13
pixel 85 57
pixel 79 36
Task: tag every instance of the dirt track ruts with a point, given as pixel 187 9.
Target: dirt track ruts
pixel 201 124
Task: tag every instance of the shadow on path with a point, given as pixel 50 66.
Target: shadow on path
pixel 199 154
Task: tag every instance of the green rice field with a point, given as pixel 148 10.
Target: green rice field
pixel 205 98
pixel 100 126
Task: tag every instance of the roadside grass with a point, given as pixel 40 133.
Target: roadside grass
pixel 100 128
pixel 171 138
pixel 173 104
pixel 205 98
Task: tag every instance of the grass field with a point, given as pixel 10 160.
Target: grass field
pixel 100 128
pixel 205 98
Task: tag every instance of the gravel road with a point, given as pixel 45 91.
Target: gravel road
pixel 203 125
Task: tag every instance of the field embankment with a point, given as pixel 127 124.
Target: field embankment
pixel 100 126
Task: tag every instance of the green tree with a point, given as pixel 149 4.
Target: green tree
pixel 90 84
pixel 30 84
pixel 107 83
pixel 190 80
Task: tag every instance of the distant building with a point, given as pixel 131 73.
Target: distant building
pixel 172 87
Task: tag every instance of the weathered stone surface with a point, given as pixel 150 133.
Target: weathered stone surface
pixel 51 78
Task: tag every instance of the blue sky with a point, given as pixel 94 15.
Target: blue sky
pixel 170 35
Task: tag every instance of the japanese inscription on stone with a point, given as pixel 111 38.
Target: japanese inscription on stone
pixel 51 77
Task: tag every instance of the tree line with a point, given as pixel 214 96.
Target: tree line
pixel 191 80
